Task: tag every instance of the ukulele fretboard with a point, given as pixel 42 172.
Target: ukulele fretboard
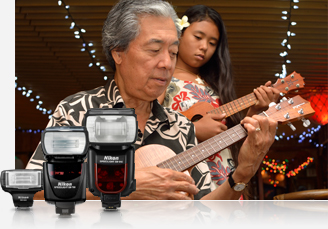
pixel 236 105
pixel 193 156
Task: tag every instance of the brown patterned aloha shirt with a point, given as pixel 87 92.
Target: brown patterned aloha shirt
pixel 164 126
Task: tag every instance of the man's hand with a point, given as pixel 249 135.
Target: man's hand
pixel 261 133
pixel 154 183
pixel 209 126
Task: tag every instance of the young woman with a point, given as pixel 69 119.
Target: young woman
pixel 204 73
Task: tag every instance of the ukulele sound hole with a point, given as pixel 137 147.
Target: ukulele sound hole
pixel 196 118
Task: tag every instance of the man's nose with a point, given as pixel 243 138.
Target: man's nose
pixel 166 61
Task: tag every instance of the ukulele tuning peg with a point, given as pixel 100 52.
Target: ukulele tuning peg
pixel 283 99
pixel 306 122
pixel 291 101
pixel 278 107
pixel 282 94
pixel 272 104
pixel 287 116
pixel 301 111
pixel 291 126
pixel 296 91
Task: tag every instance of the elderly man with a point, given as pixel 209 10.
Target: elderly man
pixel 140 39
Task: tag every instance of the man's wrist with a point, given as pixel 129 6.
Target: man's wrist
pixel 236 186
pixel 240 177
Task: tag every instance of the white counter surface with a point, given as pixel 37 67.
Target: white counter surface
pixel 171 214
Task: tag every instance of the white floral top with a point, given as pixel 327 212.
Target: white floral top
pixel 180 96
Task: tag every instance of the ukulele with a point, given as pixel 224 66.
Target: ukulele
pixel 161 156
pixel 294 81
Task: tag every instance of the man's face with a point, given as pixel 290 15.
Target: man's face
pixel 145 69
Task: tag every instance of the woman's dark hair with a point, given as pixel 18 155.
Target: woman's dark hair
pixel 217 72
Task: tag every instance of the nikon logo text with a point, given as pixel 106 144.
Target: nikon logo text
pixel 64 184
pixel 110 158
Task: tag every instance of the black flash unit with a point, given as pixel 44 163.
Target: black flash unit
pixel 112 133
pixel 65 149
pixel 22 184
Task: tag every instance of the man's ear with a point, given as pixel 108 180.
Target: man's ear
pixel 117 56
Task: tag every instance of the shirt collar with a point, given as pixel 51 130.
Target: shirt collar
pixel 115 100
pixel 113 95
pixel 158 111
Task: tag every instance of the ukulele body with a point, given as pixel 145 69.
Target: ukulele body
pixel 197 111
pixel 152 155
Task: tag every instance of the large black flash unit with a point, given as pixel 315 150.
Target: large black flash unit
pixel 22 184
pixel 112 133
pixel 65 149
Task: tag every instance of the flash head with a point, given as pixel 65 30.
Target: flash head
pixel 65 142
pixel 111 126
pixel 22 184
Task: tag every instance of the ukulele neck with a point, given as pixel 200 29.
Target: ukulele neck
pixel 235 106
pixel 193 156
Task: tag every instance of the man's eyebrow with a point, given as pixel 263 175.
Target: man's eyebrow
pixel 154 40
pixel 158 41
pixel 176 43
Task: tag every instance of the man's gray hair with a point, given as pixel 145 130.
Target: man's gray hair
pixel 122 23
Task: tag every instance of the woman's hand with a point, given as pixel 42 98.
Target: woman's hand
pixel 265 95
pixel 209 126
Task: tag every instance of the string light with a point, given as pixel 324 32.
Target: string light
pixel 294 172
pixel 78 34
pixel 274 182
pixel 35 131
pixel 285 43
pixel 29 93
pixel 301 137
pixel 273 166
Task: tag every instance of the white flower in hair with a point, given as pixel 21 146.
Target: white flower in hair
pixel 183 22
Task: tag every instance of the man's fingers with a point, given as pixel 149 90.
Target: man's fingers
pixel 179 176
pixel 179 196
pixel 183 182
pixel 259 124
pixel 250 125
pixel 186 187
pixel 272 126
